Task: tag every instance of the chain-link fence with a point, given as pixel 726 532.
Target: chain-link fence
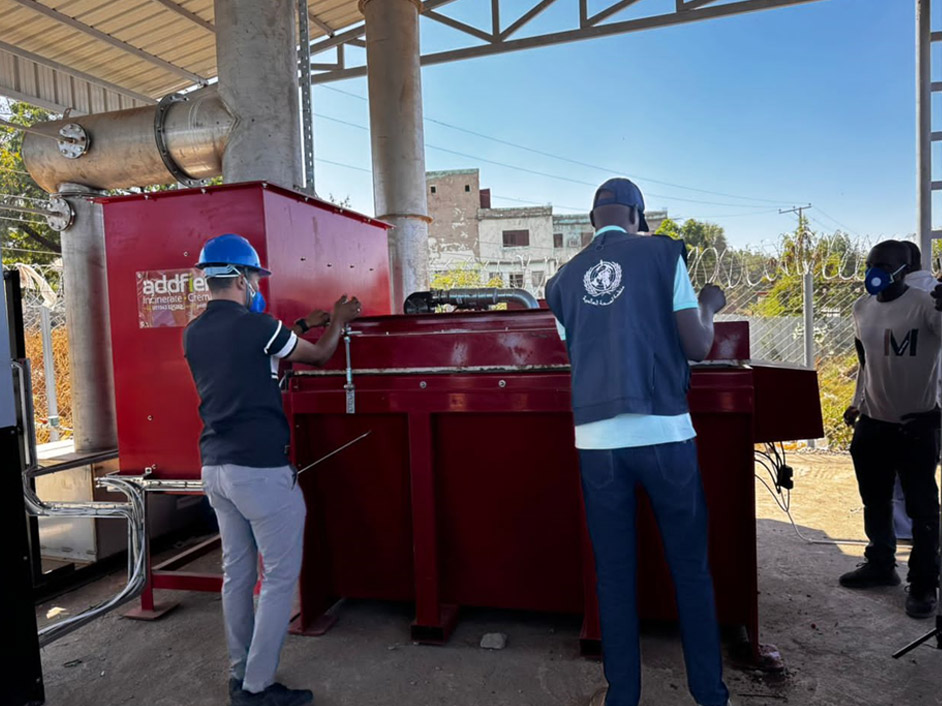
pixel 47 349
pixel 775 289
pixel 771 289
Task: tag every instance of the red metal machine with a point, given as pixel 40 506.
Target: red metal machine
pixel 466 490
pixel 467 493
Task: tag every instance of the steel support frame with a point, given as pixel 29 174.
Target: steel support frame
pixel 307 110
pixel 925 136
pixel 497 38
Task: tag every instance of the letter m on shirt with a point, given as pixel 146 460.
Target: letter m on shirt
pixel 909 343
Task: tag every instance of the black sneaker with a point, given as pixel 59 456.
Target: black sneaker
pixel 235 686
pixel 275 695
pixel 921 602
pixel 866 575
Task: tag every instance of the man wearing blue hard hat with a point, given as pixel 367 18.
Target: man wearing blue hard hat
pixel 233 349
pixel 896 420
pixel 631 321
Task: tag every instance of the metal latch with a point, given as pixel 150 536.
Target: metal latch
pixel 349 388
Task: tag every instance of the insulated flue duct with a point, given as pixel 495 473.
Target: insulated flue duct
pixel 181 139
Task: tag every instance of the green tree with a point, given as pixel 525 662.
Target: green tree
pixel 24 237
pixel 465 276
pixel 833 261
pixel 697 234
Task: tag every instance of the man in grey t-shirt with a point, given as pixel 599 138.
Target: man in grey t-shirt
pixel 898 339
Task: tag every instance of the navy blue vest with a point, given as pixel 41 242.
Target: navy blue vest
pixel 616 302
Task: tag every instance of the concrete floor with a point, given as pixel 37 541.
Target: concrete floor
pixel 836 643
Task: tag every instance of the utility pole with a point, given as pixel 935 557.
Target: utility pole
pixel 807 289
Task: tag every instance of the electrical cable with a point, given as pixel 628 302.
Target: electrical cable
pixel 782 495
pixel 569 160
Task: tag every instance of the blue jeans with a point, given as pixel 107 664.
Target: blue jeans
pixel 670 475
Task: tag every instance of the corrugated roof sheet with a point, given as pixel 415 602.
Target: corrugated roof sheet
pixel 95 55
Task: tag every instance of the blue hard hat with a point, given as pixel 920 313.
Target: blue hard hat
pixel 228 252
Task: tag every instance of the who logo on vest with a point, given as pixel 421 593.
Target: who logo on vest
pixel 603 283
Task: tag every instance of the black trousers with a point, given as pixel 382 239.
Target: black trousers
pixel 881 451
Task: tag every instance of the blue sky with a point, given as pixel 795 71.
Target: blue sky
pixel 807 104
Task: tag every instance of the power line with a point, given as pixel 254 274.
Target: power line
pixel 536 172
pixel 341 164
pixel 832 218
pixel 569 160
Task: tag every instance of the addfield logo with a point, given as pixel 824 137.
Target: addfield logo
pixel 180 283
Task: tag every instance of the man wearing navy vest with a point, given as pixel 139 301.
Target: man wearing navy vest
pixel 631 321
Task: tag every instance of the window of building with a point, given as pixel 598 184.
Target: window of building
pixel 433 189
pixel 516 280
pixel 557 240
pixel 587 237
pixel 538 278
pixel 516 238
pixel 467 187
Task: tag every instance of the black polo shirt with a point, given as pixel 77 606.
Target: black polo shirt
pixel 233 355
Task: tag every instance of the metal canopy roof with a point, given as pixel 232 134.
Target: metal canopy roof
pixel 97 55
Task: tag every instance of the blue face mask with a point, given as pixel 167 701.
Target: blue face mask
pixel 878 279
pixel 256 303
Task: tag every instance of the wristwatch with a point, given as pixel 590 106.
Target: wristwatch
pixel 302 324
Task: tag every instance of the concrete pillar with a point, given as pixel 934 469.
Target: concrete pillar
pixel 88 324
pixel 258 81
pixel 398 139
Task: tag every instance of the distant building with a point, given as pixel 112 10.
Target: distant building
pixel 522 246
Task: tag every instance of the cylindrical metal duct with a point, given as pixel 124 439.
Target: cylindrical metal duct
pixel 88 324
pixel 257 56
pixel 124 149
pixel 398 139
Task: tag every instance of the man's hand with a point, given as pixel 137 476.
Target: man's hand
pixel 317 319
pixel 346 310
pixel 850 416
pixel 712 298
pixel 937 295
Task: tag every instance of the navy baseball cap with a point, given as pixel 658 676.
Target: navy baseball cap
pixel 623 192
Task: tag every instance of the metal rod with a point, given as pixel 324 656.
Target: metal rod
pixel 444 370
pixel 334 452
pixel 49 370
pixel 40 133
pixel 25 209
pixel 86 460
pixel 192 16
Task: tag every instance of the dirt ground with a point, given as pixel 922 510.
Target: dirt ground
pixel 836 643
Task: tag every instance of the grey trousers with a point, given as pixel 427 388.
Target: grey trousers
pixel 260 511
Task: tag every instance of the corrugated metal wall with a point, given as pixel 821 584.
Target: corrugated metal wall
pixel 23 79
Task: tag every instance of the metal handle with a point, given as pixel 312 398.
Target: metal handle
pixel 24 409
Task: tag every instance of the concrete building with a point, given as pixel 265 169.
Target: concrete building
pixel 522 246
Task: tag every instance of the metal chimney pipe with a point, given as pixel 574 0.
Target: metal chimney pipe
pixel 257 56
pixel 124 146
pixel 89 324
